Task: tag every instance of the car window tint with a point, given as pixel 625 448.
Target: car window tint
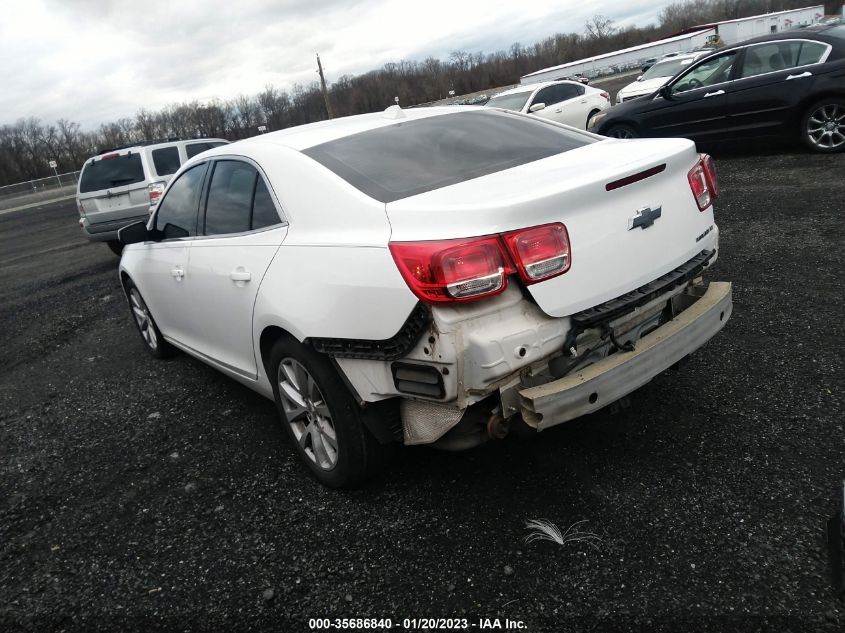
pixel 411 157
pixel 192 149
pixel 110 172
pixel 229 205
pixel 714 70
pixel 811 53
pixel 263 210
pixel 546 95
pixel 177 211
pixel 563 92
pixel 166 160
pixel 769 58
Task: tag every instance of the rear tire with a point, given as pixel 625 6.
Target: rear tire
pixel 116 247
pixel 823 126
pixel 322 418
pixel 590 116
pixel 621 131
pixel 154 342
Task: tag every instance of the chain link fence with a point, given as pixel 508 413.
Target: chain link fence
pixel 39 190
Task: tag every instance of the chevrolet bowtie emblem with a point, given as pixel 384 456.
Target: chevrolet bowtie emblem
pixel 644 218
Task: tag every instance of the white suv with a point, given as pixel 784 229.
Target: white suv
pixel 430 276
pixel 121 186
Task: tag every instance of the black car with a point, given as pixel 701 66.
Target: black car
pixel 791 84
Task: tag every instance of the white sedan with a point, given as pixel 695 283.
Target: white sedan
pixel 431 276
pixel 568 102
pixel 658 75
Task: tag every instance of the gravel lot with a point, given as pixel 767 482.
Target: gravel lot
pixel 145 495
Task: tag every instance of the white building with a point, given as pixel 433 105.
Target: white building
pixel 730 32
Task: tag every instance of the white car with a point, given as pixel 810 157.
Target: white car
pixel 568 102
pixel 430 276
pixel 656 76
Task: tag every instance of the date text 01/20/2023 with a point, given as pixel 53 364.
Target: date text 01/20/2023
pixel 414 624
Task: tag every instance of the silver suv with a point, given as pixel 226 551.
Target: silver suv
pixel 122 185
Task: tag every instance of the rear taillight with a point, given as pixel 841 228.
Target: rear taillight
pixel 452 270
pixel 539 253
pixel 605 95
pixel 702 182
pixel 155 189
pixel 81 210
pixel 456 271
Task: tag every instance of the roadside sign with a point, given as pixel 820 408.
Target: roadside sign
pixel 262 128
pixel 53 164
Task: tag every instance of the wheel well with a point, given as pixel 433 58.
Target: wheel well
pixel 124 280
pixel 801 110
pixel 268 339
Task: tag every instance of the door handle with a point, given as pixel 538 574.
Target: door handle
pixel 240 275
pixel 559 110
pixel 806 73
pixel 178 273
pixel 714 94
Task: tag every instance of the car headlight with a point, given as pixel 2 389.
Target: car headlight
pixel 594 120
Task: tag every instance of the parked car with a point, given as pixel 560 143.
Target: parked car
pixel 649 63
pixel 430 276
pixel 656 76
pixel 566 102
pixel 120 186
pixel 579 78
pixel 786 85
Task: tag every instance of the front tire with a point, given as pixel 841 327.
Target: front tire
pixel 154 342
pixel 621 131
pixel 322 418
pixel 823 126
pixel 116 247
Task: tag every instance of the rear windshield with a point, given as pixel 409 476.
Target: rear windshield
pixel 111 172
pixel 409 158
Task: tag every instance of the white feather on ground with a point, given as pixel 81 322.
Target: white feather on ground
pixel 545 530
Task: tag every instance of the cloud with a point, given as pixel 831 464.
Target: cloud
pixel 94 61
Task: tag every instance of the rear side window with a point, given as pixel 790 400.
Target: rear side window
pixel 192 149
pixel 107 173
pixel 177 212
pixel 768 58
pixel 166 160
pixel 238 200
pixel 811 53
pixel 409 158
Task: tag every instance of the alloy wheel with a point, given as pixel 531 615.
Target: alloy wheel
pixel 143 318
pixel 826 126
pixel 621 132
pixel 307 414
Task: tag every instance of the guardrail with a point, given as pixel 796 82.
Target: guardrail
pixel 38 190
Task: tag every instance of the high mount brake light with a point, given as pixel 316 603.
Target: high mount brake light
pixel 457 271
pixel 702 182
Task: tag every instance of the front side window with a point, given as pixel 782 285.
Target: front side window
pixel 177 211
pixel 713 71
pixel 238 200
pixel 564 92
pixel 546 95
pixel 166 160
pixel 668 68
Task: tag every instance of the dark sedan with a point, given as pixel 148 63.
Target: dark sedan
pixel 791 84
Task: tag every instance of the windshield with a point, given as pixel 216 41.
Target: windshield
pixel 515 101
pixel 409 158
pixel 105 173
pixel 669 68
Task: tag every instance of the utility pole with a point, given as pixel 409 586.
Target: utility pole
pixel 323 86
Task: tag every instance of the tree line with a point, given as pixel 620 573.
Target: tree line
pixel 27 145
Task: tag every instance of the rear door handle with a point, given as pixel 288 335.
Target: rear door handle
pixel 178 273
pixel 714 94
pixel 239 274
pixel 806 73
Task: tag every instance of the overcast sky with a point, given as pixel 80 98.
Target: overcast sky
pixel 93 61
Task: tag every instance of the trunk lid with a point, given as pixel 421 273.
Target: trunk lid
pixel 612 252
pixel 114 188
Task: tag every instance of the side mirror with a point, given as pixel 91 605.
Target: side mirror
pixel 537 107
pixel 665 92
pixel 134 233
pixel 640 78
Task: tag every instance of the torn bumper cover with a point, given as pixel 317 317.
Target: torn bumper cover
pixel 617 375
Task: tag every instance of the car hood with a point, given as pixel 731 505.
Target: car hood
pixel 643 87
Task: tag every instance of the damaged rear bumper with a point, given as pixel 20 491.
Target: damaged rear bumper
pixel 617 375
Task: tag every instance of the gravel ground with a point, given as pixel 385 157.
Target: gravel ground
pixel 139 495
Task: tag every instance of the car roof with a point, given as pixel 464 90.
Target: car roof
pixel 156 143
pixel 813 32
pixel 309 135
